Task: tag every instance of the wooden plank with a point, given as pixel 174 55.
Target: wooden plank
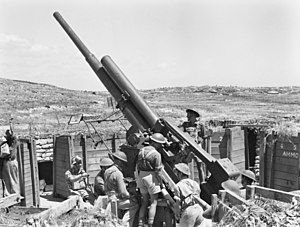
pixel 229 142
pixel 240 155
pixel 238 145
pixel 61 156
pixel 271 147
pixel 286 168
pixel 288 161
pixel 232 198
pixel 273 193
pixel 246 151
pixel 58 210
pixel 10 200
pixel 34 173
pixel 288 184
pixel 285 176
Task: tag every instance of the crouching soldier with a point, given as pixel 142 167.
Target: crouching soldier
pixel 188 196
pixel 114 184
pixel 76 179
pixel 99 188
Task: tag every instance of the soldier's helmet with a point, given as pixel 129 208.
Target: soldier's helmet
pixel 193 112
pixel 158 138
pixel 249 174
pixel 106 162
pixel 120 155
pixel 183 168
pixel 76 160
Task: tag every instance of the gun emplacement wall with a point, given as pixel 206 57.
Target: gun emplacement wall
pixel 280 162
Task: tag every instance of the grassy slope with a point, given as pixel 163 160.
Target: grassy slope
pixel 41 108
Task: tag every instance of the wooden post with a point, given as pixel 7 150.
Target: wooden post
pixel 214 205
pixel 262 153
pixel 229 142
pixel 34 173
pixel 21 168
pixel 54 166
pixel 250 192
pixel 84 152
pixel 246 142
pixel 113 143
pixel 270 185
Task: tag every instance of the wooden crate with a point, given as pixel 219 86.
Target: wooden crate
pixel 229 143
pixel 280 163
pixel 28 173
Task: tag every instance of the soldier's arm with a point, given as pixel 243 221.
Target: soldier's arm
pixel 122 187
pixel 73 178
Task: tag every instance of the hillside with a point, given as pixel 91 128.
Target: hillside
pixel 45 109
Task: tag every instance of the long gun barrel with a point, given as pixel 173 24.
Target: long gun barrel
pixel 139 113
pixel 129 101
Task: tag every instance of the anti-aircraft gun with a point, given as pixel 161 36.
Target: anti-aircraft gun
pixel 140 115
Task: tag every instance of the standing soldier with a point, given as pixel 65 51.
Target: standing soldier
pixel 196 131
pixel 10 172
pixel 193 126
pixel 114 184
pixel 149 167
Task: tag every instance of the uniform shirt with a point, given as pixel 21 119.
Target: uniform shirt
pixel 99 184
pixel 149 159
pixel 195 130
pixel 187 189
pixel 73 172
pixel 114 181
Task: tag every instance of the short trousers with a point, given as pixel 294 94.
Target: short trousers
pixel 148 182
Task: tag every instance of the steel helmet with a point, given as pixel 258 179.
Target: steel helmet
pixel 106 162
pixel 193 112
pixel 249 174
pixel 232 186
pixel 120 155
pixel 158 138
pixel 183 168
pixel 76 159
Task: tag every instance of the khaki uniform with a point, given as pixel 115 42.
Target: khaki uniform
pixel 10 170
pixel 114 183
pixel 197 132
pixel 191 211
pixel 78 187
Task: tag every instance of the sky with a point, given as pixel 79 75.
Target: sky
pixel 156 43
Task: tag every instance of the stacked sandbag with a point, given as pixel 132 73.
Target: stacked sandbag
pixel 44 149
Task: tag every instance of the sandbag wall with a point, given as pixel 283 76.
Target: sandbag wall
pixel 229 143
pixel 280 162
pixel 44 149
pixel 91 151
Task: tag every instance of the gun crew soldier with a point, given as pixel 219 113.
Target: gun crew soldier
pixel 188 196
pixel 9 169
pixel 193 126
pixel 76 179
pixel 197 131
pixel 99 188
pixel 149 165
pixel 114 184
